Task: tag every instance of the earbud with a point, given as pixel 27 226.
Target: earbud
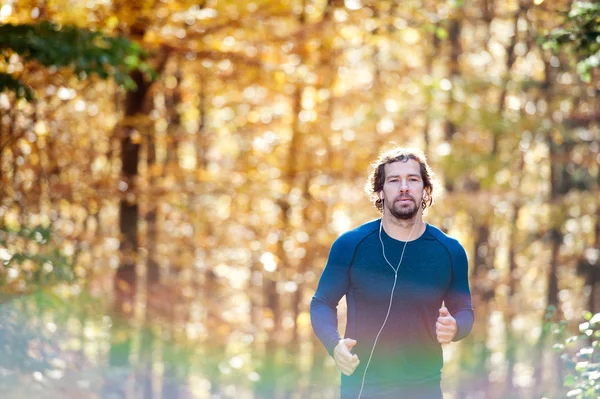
pixel 381 195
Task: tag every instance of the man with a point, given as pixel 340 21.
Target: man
pixel 406 287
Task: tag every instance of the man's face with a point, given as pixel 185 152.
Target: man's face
pixel 403 189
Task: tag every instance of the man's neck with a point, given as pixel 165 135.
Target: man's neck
pixel 403 229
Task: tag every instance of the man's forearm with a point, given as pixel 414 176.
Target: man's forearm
pixel 324 321
pixel 464 321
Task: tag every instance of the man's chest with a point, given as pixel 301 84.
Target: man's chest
pixel 423 275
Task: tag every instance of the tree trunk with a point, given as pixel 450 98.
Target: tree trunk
pixel 510 311
pixel 3 141
pixel 510 60
pixel 558 187
pixel 594 299
pixel 202 143
pixel 152 267
pixel 430 56
pixel 589 266
pixel 474 351
pixel 125 279
pixel 144 373
pixel 454 30
pixel 449 125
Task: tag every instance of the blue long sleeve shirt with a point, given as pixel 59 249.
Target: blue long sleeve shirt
pixel 407 353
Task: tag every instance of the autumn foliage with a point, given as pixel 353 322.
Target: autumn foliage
pixel 173 173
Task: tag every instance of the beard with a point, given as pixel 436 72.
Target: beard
pixel 404 211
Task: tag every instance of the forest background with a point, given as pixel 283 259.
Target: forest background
pixel 173 174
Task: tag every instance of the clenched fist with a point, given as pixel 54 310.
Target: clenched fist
pixel 445 328
pixel 345 361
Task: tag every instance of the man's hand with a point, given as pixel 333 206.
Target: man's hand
pixel 445 328
pixel 345 361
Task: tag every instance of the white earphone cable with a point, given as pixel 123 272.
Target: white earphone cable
pixel 391 297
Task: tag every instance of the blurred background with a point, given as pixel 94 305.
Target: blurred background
pixel 173 174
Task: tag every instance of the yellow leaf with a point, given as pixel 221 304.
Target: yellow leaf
pixel 112 22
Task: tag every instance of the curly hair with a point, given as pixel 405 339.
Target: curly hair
pixel 399 154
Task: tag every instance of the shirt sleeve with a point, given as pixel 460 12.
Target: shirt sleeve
pixel 333 285
pixel 458 296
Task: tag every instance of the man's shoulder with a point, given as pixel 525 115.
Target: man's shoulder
pixel 448 241
pixel 352 237
pixel 452 245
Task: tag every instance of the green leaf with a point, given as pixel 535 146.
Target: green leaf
pixel 569 381
pixel 558 347
pixel 441 33
pixel 86 52
pixel 457 3
pixel 9 83
pixel 579 35
pixel 581 366
pixel 571 339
